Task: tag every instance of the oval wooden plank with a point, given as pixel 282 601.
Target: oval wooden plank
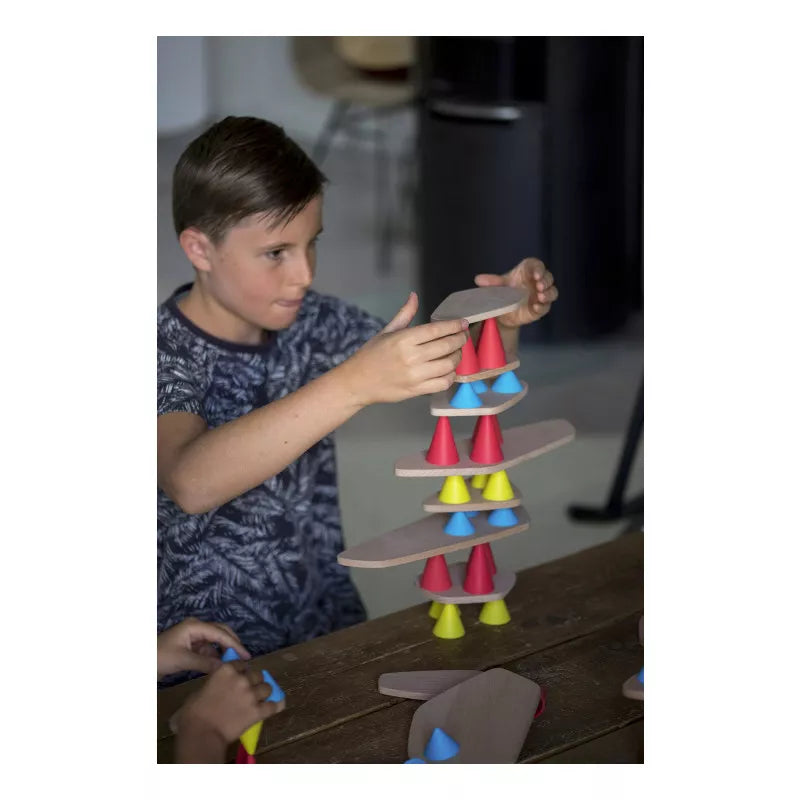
pixel 485 374
pixel 493 403
pixel 477 502
pixel 520 444
pixel 480 303
pixel 488 716
pixel 503 583
pixel 422 684
pixel 423 539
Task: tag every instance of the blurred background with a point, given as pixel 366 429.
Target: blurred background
pixel 450 156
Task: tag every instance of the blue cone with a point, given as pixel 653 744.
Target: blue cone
pixel 277 693
pixel 414 761
pixel 230 655
pixel 502 518
pixel 440 746
pixel 507 383
pixel 640 676
pixel 480 387
pixel 459 525
pixel 471 514
pixel 465 397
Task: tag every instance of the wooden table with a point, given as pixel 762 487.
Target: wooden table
pixel 573 629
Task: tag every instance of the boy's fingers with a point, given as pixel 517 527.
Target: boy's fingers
pixel 437 369
pixel 200 663
pixel 262 691
pixel 439 348
pixel 437 330
pixel 402 319
pixel 219 633
pixel 485 279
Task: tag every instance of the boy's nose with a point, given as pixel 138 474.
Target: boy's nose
pixel 303 272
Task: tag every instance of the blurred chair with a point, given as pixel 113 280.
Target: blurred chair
pixel 367 77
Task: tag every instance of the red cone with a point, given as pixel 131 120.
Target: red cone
pixel 485 447
pixel 243 757
pixel 443 451
pixel 490 346
pixel 478 579
pixel 436 576
pixel 483 551
pixel 496 425
pixel 469 359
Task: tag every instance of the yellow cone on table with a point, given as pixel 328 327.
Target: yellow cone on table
pixel 494 612
pixel 498 487
pixel 449 625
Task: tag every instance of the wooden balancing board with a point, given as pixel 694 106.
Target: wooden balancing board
pixel 422 684
pixel 423 539
pixel 474 305
pixel 477 502
pixel 493 403
pixel 520 444
pixel 488 716
pixel 503 583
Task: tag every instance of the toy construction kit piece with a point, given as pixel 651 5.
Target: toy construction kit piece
pixel 503 583
pixel 465 401
pixel 440 747
pixel 422 684
pixel 462 516
pixel 488 716
pixel 475 305
pixel 634 686
pixel 460 496
pixel 522 443
pixel 249 739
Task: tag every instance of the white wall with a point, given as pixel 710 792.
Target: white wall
pixel 253 75
pixel 183 96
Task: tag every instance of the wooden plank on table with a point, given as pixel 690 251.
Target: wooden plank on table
pixel 425 538
pixel 520 443
pixel 422 684
pixel 493 403
pixel 622 746
pixel 335 677
pixel 581 679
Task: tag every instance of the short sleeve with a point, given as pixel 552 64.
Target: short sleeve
pixel 178 385
pixel 356 328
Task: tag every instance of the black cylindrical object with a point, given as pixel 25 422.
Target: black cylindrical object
pixel 480 160
pixel 531 146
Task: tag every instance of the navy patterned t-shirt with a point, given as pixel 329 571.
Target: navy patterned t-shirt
pixel 265 562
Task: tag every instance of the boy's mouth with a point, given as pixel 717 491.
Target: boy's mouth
pixel 290 303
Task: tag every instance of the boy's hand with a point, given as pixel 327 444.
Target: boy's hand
pixel 532 275
pixel 402 362
pixel 189 645
pixel 231 700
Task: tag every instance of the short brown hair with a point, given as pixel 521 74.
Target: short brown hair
pixel 241 166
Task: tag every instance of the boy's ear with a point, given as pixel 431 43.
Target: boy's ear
pixel 197 247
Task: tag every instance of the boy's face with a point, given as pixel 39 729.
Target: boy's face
pixel 260 274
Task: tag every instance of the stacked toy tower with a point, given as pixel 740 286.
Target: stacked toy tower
pixel 468 516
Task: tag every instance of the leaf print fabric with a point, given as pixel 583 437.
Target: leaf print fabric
pixel 264 563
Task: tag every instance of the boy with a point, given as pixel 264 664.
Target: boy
pixel 255 372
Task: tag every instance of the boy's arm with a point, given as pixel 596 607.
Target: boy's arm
pixel 201 469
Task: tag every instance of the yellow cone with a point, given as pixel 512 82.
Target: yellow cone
pixel 494 613
pixel 435 610
pixel 449 625
pixel 454 490
pixel 479 481
pixel 250 738
pixel 498 487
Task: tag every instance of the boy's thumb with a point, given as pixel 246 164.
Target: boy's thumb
pixel 402 319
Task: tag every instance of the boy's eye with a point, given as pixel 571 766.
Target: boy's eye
pixel 275 255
